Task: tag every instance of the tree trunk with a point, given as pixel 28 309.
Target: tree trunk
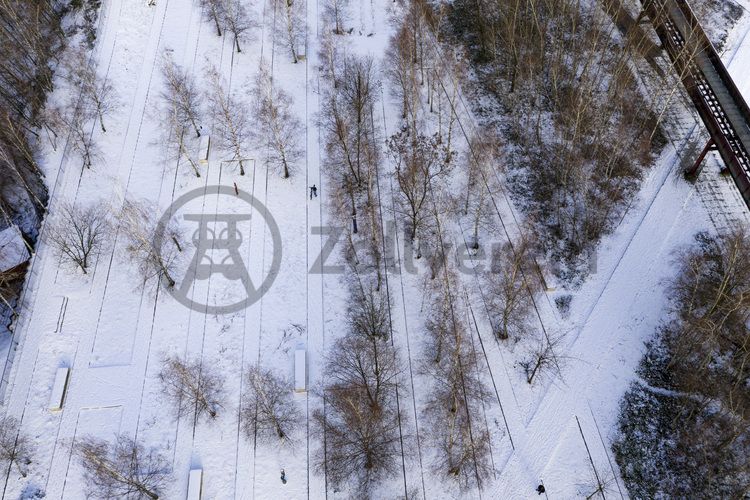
pixel 216 22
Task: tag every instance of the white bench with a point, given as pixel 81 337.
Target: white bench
pixel 300 371
pixel 195 484
pixel 59 389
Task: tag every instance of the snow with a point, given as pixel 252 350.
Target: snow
pixel 300 371
pixel 113 333
pixel 13 251
pixel 59 386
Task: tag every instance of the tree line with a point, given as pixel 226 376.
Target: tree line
pixel 683 427
pixel 565 90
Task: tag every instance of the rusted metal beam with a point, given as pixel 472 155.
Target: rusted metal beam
pixel 693 172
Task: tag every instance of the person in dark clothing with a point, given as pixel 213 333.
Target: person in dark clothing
pixel 313 191
pixel 540 489
pixel 283 476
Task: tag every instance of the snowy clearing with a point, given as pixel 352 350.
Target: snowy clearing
pixel 112 334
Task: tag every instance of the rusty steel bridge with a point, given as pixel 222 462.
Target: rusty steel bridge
pixel 719 103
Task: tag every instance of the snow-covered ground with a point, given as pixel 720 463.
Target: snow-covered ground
pixel 113 333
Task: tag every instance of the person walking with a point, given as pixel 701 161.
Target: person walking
pixel 313 191
pixel 283 476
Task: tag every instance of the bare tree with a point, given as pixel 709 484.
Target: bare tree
pixel 362 421
pixel 454 405
pixel 123 468
pixel 194 388
pixel 83 141
pixel 214 10
pixel 461 443
pixel 180 97
pixel 78 231
pixel 362 445
pixel 543 358
pixel 452 412
pixel 154 249
pixel 369 311
pixel 268 411
pixel 233 117
pixel 276 124
pixel 347 115
pixel 402 70
pixel 181 145
pixel 292 27
pixel 335 12
pixel 481 161
pixel 16 449
pixel 237 20
pixel 512 282
pixel 330 53
pixel 419 160
pixel 98 96
pixel 77 122
pixel 369 364
pixel 181 113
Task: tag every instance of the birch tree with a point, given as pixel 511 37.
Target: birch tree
pixel 82 139
pixel 232 116
pixel 214 10
pixel 511 284
pixel 269 413
pixel 122 469
pixel 336 14
pixel 418 161
pixel 194 388
pixel 291 24
pixel 180 97
pixel 181 113
pixel 98 95
pixel 139 226
pixel 276 125
pixel 237 20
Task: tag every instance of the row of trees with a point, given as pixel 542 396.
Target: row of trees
pixel 684 424
pixel 423 157
pixel 582 131
pixel 93 98
pixel 360 419
pixel 125 467
pixel 235 17
pixel 353 156
pixel 453 410
pixel 78 233
pixel 268 124
pixel 196 391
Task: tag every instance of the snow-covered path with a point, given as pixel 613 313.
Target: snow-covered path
pixel 113 333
